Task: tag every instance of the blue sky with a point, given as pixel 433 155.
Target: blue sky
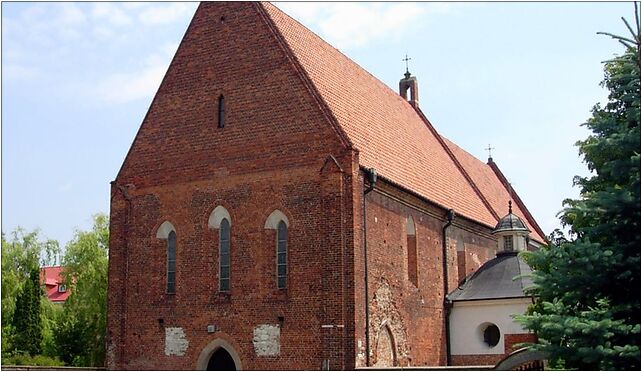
pixel 78 78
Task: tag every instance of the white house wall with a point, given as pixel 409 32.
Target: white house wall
pixel 467 318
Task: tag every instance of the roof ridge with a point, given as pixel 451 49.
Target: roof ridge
pixel 355 97
pixel 518 200
pixel 537 233
pixel 462 149
pixel 301 73
pixel 373 77
pixel 457 163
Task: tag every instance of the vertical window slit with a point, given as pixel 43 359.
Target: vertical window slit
pixel 221 111
pixel 281 255
pixel 224 256
pixel 171 262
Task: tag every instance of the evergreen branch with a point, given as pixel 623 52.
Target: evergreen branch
pixel 625 44
pixel 637 19
pixel 635 36
pixel 618 37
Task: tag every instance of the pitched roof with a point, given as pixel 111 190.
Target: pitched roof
pixel 389 134
pixel 497 278
pixel 52 278
pixel 493 189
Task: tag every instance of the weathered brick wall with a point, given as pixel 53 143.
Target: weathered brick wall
pixel 315 280
pixel 272 154
pixel 511 340
pixel 413 314
pixel 473 250
pixel 476 360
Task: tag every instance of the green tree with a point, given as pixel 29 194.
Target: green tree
pixel 27 320
pixel 80 337
pixel 587 313
pixel 20 255
pixel 51 316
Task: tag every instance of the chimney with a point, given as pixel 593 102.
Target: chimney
pixel 409 83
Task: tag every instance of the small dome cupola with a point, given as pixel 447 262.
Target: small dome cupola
pixel 511 231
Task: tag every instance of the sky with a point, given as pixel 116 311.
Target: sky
pixel 78 78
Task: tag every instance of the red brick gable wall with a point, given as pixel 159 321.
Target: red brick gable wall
pixel 272 154
pixel 272 119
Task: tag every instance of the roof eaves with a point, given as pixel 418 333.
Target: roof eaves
pixel 457 163
pixel 302 73
pixel 414 193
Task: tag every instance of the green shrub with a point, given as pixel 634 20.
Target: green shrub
pixel 26 360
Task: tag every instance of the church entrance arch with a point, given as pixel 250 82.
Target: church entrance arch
pixel 219 355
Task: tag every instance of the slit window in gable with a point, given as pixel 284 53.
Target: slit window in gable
pixel 221 111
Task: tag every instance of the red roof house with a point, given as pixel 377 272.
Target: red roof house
pixel 52 278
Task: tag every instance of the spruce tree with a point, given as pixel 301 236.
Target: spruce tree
pixel 27 321
pixel 587 312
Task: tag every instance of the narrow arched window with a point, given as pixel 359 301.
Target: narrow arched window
pixel 281 255
pixel 221 111
pixel 224 256
pixel 411 246
pixel 171 262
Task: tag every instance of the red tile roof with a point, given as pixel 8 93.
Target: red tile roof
pixel 492 188
pixel 52 278
pixel 392 136
pixel 389 134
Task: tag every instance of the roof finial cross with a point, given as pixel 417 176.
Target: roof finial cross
pixel 490 156
pixel 406 60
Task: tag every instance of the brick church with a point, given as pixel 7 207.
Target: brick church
pixel 282 208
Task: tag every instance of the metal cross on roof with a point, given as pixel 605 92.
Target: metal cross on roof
pixel 406 60
pixel 490 156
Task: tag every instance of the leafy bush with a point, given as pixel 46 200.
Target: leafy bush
pixel 22 359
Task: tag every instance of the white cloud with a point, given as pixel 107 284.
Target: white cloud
pixel 71 15
pixel 134 85
pixel 131 5
pixel 18 72
pixel 111 13
pixel 347 25
pixel 127 87
pixel 161 14
pixel 103 32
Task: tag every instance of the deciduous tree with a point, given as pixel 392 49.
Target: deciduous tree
pixel 85 312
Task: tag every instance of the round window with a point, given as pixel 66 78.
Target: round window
pixel 491 335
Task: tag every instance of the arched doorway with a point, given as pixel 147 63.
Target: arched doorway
pixel 219 355
pixel 221 360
